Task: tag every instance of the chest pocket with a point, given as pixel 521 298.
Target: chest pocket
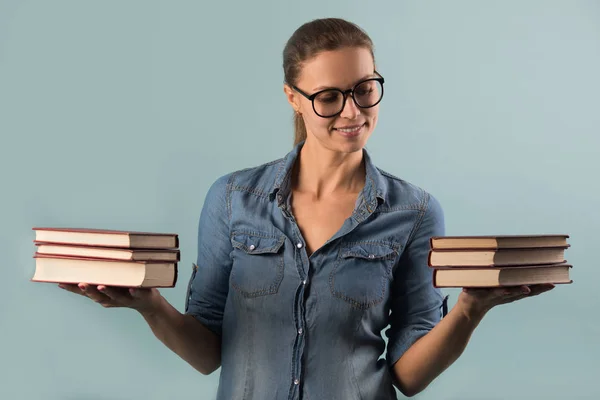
pixel 362 273
pixel 257 268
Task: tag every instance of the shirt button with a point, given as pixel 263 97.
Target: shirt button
pixel 299 245
pixel 252 247
pixel 300 331
pixel 371 256
pixel 296 381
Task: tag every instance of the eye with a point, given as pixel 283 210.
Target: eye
pixel 363 91
pixel 365 88
pixel 328 97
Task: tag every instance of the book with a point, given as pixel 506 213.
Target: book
pixel 123 273
pixel 495 258
pixel 107 238
pixel 499 260
pixel 114 253
pixel 498 242
pixel 503 276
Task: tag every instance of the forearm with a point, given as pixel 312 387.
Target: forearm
pixel 437 350
pixel 186 337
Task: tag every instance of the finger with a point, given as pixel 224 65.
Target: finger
pixel 539 289
pixel 118 295
pixel 73 288
pixel 91 292
pixel 499 295
pixel 516 291
pixel 534 290
pixel 482 293
pixel 531 290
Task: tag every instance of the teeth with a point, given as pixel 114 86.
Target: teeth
pixel 351 130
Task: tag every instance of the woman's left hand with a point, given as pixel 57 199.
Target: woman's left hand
pixel 476 302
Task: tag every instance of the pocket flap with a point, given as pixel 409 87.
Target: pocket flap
pixel 370 251
pixel 257 243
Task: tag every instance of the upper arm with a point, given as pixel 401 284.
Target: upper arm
pixel 416 303
pixel 209 283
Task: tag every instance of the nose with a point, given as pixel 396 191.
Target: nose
pixel 350 110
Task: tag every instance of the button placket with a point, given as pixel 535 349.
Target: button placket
pixel 300 258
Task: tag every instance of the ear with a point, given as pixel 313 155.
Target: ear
pixel 292 97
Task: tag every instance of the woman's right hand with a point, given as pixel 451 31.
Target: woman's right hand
pixel 143 300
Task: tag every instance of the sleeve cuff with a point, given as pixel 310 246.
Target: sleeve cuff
pixel 396 350
pixel 212 325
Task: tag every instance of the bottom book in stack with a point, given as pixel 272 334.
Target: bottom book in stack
pixel 127 273
pixel 101 257
pixel 497 261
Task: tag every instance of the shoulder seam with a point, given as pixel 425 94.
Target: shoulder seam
pixel 388 175
pixel 267 164
pixel 228 196
pixel 233 186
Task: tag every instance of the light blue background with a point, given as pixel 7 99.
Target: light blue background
pixel 119 114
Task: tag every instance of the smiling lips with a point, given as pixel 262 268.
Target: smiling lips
pixel 350 130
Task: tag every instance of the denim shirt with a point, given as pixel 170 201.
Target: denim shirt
pixel 300 327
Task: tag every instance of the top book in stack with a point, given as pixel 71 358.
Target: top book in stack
pixel 501 260
pixel 107 238
pixel 106 257
pixel 499 242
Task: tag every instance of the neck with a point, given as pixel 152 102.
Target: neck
pixel 321 171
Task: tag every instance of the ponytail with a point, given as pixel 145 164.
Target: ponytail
pixel 299 129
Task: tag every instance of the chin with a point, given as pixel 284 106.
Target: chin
pixel 352 145
pixel 349 148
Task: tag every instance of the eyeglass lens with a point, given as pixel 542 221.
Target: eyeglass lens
pixel 331 102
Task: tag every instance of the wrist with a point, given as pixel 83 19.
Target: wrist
pixel 153 307
pixel 472 311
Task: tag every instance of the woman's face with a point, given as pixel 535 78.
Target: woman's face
pixel 340 69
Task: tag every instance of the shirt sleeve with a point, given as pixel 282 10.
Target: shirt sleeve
pixel 416 305
pixel 209 284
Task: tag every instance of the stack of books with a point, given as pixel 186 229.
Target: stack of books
pixel 106 257
pixel 498 261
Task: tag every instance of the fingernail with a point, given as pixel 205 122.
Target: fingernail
pixel 82 287
pixel 101 288
pixel 525 290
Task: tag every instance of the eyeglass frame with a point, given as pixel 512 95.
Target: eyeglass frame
pixel 344 93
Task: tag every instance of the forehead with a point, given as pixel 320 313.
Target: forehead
pixel 338 68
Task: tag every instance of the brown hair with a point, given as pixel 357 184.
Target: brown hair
pixel 308 41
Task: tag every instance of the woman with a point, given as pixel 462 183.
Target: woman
pixel 302 262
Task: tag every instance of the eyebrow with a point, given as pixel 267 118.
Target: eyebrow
pixel 317 89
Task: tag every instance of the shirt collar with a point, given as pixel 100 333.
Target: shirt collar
pixel 374 192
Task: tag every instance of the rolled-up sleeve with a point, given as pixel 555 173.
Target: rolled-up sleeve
pixel 416 305
pixel 209 284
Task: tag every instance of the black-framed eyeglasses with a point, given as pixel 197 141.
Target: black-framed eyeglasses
pixel 328 103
